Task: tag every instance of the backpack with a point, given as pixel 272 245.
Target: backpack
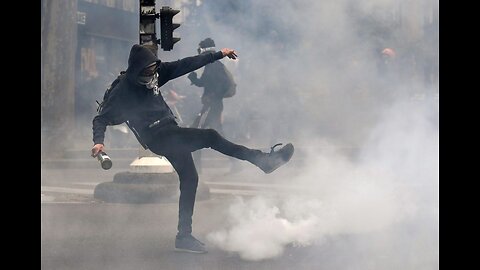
pixel 106 96
pixel 109 91
pixel 231 85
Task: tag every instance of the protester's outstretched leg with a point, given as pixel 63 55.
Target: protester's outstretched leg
pixel 268 162
pixel 190 139
pixel 183 164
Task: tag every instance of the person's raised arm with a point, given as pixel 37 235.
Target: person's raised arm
pixel 175 69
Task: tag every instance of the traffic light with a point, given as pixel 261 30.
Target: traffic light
pixel 166 28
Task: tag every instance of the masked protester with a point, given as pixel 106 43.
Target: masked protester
pixel 136 100
pixel 216 81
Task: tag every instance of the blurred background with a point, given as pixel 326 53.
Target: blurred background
pixel 326 69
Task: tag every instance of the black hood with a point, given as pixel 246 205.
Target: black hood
pixel 139 58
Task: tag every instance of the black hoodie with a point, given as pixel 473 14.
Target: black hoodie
pixel 135 103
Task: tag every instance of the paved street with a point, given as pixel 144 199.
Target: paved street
pixel 79 232
pixel 121 237
pixel 116 236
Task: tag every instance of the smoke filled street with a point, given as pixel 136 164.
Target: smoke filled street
pixel 228 134
pixel 79 232
pixel 145 242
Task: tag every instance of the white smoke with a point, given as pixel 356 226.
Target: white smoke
pixel 260 231
pixel 344 197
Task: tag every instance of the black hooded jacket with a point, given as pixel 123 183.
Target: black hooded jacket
pixel 135 103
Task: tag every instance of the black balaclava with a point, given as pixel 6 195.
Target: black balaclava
pixel 148 74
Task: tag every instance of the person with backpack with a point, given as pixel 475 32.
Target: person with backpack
pixel 218 83
pixel 135 99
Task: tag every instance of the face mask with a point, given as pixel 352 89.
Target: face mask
pixel 150 82
pixel 147 75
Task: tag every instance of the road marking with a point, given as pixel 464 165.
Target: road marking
pixel 45 198
pixel 65 202
pixel 237 192
pixel 246 184
pixel 86 183
pixel 67 190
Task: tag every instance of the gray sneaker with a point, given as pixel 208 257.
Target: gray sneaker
pixel 271 161
pixel 189 244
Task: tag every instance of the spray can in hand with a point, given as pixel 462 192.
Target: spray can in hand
pixel 105 160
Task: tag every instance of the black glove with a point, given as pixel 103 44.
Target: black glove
pixel 192 76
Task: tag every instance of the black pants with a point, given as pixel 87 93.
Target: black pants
pixel 214 117
pixel 176 144
pixel 213 120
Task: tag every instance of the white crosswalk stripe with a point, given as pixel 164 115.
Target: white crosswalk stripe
pixel 67 190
